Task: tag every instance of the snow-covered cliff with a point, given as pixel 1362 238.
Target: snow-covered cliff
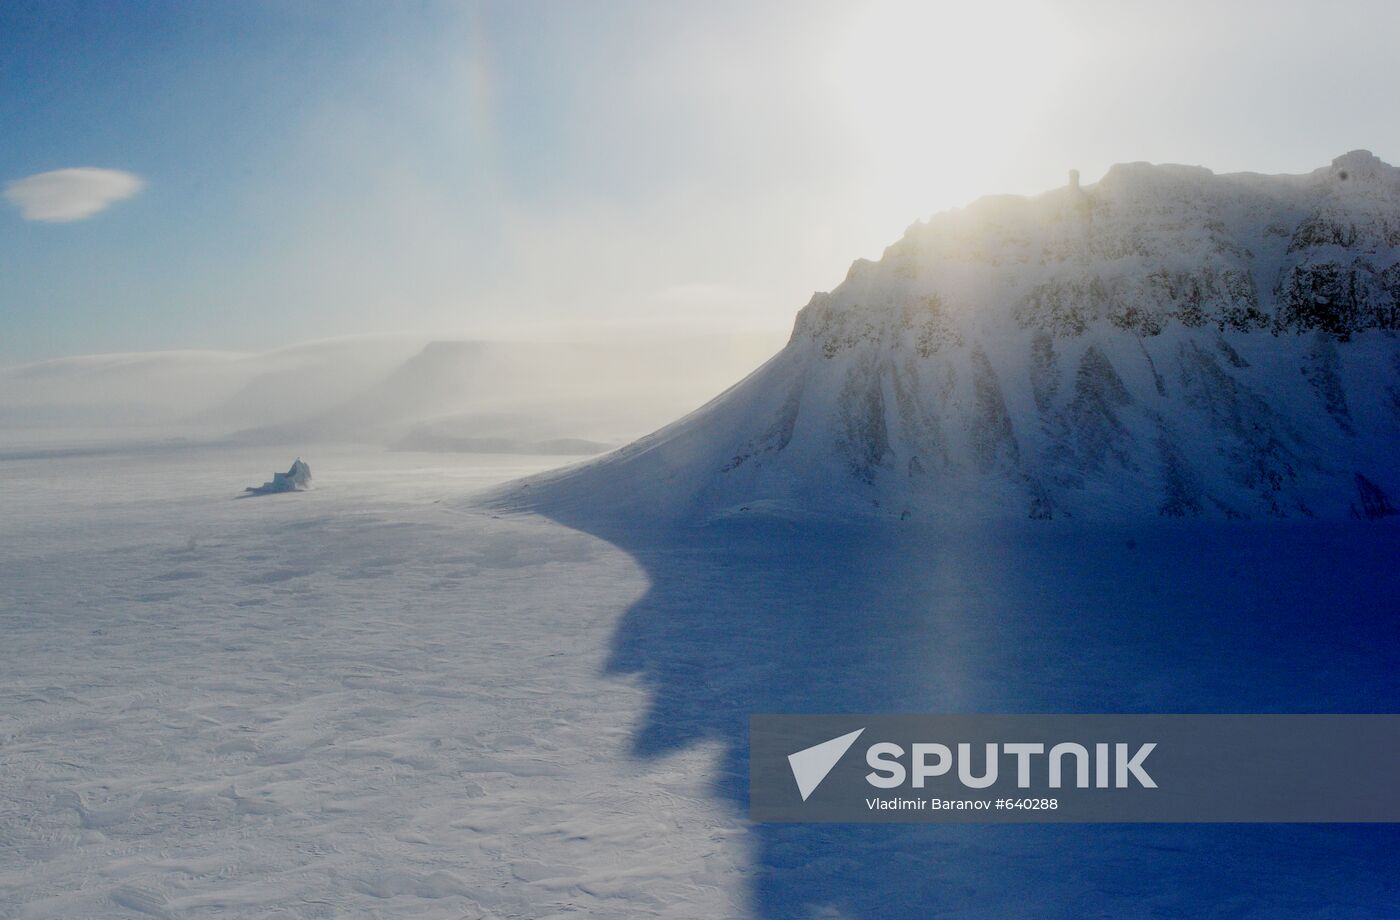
pixel 1165 342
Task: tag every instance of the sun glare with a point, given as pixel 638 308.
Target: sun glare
pixel 941 96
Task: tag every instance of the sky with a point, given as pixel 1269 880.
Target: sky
pixel 215 175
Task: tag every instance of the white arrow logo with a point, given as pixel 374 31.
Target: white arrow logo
pixel 811 765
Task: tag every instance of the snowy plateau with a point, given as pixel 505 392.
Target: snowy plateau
pixel 1129 447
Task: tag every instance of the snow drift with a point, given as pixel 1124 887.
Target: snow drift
pixel 1166 342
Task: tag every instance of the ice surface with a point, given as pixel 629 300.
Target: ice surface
pixel 379 700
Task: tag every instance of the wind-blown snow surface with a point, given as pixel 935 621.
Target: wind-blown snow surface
pixel 367 701
pixel 1166 342
pixel 353 701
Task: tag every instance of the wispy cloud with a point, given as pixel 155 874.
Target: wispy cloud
pixel 70 194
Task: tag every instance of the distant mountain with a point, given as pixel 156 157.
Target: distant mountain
pixel 193 392
pixel 1167 342
pixel 527 397
pixel 387 391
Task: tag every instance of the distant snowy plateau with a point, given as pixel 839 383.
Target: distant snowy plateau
pixel 1130 447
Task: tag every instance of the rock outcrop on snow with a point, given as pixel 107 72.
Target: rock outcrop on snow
pixel 1165 342
pixel 296 479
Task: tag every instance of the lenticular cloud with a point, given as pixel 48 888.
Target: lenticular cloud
pixel 70 194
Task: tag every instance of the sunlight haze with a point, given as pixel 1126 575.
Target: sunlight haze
pixel 536 170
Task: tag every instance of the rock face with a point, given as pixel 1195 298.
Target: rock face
pixel 1165 342
pixel 296 479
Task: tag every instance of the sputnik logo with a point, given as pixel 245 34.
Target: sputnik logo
pixel 811 765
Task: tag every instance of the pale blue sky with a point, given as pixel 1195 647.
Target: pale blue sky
pixel 587 169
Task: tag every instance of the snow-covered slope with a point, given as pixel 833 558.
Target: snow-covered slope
pixel 1165 342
